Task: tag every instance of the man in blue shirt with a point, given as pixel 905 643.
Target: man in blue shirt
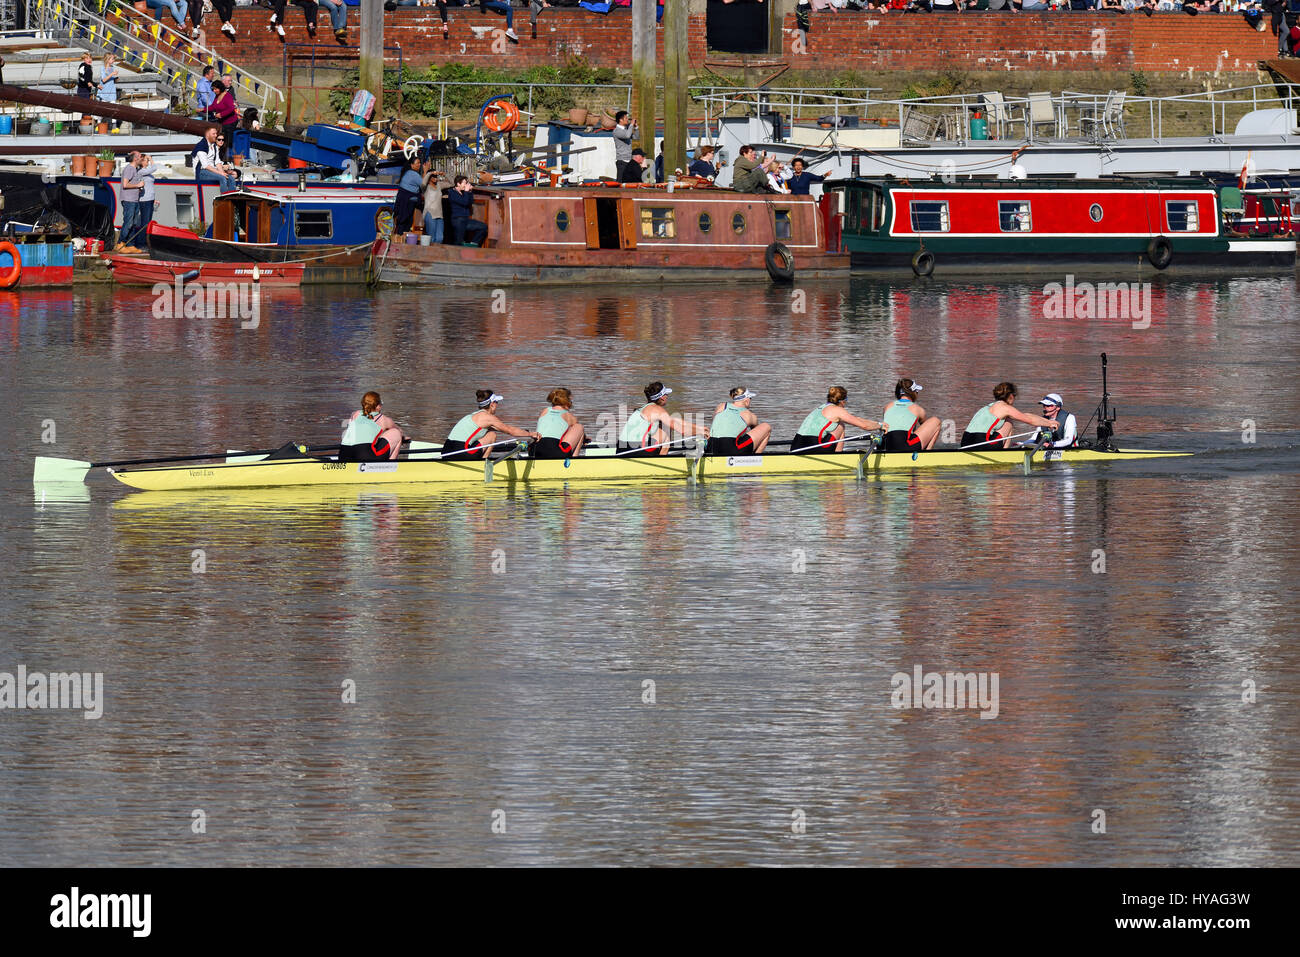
pixel 408 197
pixel 206 96
pixel 799 180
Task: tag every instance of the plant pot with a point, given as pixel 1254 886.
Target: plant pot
pixel 22 127
pixel 102 128
pixel 78 165
pixel 105 167
pixel 125 128
pixel 238 159
pixel 607 123
pixel 85 129
pixel 578 116
pixel 412 239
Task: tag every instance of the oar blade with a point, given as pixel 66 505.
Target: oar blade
pixel 51 469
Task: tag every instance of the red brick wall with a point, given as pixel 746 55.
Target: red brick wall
pixel 1209 43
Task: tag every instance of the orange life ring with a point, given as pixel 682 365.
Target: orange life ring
pixel 10 279
pixel 501 116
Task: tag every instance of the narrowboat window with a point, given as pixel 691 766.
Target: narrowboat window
pixel 562 220
pixel 738 223
pixel 1183 217
pixel 929 216
pixel 1013 216
pixel 782 223
pixel 312 224
pixel 706 222
pixel 657 222
pixel 185 213
pixel 1094 212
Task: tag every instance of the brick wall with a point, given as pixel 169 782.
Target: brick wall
pixel 1175 43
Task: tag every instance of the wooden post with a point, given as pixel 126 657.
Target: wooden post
pixel 676 65
pixel 372 51
pixel 645 62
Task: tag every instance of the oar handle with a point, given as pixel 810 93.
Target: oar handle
pixel 215 455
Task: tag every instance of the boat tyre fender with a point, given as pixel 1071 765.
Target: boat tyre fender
pixel 780 262
pixel 923 262
pixel 1160 251
pixel 10 279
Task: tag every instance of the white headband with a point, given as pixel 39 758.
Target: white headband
pixel 490 399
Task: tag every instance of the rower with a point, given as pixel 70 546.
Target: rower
pixel 908 428
pixel 823 429
pixel 990 427
pixel 735 429
pixel 562 436
pixel 370 436
pixel 470 437
pixel 648 429
pixel 1065 434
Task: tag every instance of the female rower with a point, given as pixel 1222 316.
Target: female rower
pixel 823 429
pixel 470 437
pixel 990 427
pixel 370 436
pixel 735 429
pixel 907 426
pixel 562 435
pixel 648 428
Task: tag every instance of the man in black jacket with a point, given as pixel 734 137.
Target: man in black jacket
pixel 86 84
pixel 465 229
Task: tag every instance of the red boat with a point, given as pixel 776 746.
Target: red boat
pixel 140 271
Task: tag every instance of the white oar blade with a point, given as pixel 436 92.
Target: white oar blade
pixel 57 492
pixel 417 446
pixel 50 469
pixel 235 456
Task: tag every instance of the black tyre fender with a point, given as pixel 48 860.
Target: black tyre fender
pixel 780 262
pixel 923 262
pixel 1160 251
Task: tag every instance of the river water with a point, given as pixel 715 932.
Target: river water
pixel 651 674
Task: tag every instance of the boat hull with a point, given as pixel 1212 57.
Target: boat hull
pixel 972 256
pixel 319 472
pixel 323 264
pixel 44 264
pixel 137 271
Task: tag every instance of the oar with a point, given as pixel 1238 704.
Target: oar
pixel 851 438
pixel 647 448
pixel 51 469
pixel 430 448
pixel 967 448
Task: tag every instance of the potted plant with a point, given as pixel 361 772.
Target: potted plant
pixel 271 120
pixel 102 127
pixel 106 162
pixel 22 122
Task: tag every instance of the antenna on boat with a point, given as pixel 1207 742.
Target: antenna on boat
pixel 1105 414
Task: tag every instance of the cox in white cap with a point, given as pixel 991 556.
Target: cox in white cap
pixel 1052 398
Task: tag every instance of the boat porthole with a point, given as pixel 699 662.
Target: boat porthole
pixel 738 223
pixel 1094 212
pixel 562 220
pixel 706 222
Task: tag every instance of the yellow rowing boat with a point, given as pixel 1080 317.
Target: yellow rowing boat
pixel 596 468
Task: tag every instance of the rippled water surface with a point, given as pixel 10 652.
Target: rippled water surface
pixel 501 638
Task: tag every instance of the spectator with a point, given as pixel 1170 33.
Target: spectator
pixel 144 216
pixel 497 6
pixel 108 79
pixel 433 224
pixel 465 229
pixel 250 120
pixel 625 130
pixel 207 159
pixel 638 169
pixel 205 92
pixel 338 11
pixel 131 186
pixel 750 175
pixel 308 14
pixel 440 4
pixel 408 197
pixel 86 85
pixel 702 166
pixel 535 7
pixel 776 177
pixel 177 8
pixel 945 6
pixel 1112 5
pixel 225 10
pixel 800 181
pixel 224 109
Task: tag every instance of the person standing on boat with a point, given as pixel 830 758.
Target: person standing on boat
pixel 625 130
pixel 108 75
pixel 799 180
pixel 86 84
pixel 823 429
pixel 205 94
pixel 370 436
pixel 465 229
pixel 470 437
pixel 908 427
pixel 735 429
pixel 648 429
pixel 224 109
pixel 990 426
pixel 408 197
pixel 131 187
pixel 1065 433
pixel 433 223
pixel 145 215
pixel 562 435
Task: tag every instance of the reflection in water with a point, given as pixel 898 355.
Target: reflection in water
pixel 500 637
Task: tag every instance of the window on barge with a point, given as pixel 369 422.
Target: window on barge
pixel 930 216
pixel 1183 216
pixel 1013 216
pixel 657 222
pixel 312 224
